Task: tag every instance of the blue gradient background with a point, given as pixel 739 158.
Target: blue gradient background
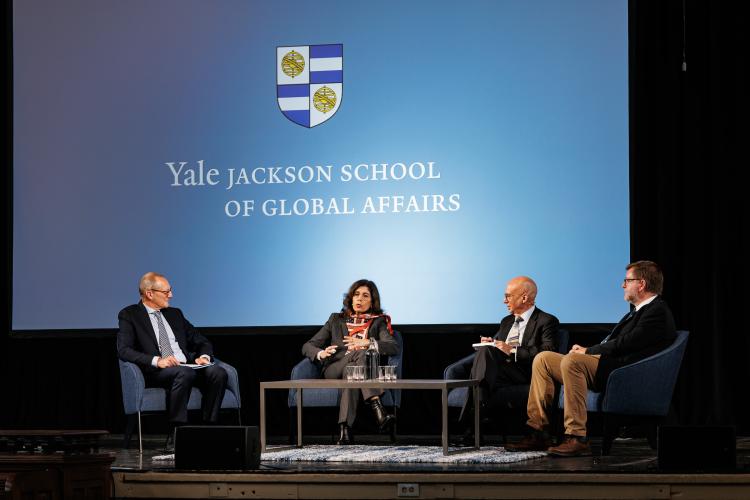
pixel 522 105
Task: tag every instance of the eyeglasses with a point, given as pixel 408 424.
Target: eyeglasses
pixel 625 281
pixel 165 292
pixel 509 296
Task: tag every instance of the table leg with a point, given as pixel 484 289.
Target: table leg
pixel 475 395
pixel 299 417
pixel 263 438
pixel 445 420
pixel 262 419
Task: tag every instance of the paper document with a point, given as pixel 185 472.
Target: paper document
pixel 196 366
pixel 482 344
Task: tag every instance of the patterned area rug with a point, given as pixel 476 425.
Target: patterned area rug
pixel 397 454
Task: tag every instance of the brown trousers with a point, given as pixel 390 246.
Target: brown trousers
pixel 574 370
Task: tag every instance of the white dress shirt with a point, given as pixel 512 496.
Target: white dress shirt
pixel 172 340
pixel 645 302
pixel 522 328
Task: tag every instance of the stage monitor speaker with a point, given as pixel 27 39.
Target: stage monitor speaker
pixel 697 448
pixel 216 447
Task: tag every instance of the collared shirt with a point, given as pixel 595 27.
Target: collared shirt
pixel 645 302
pixel 170 334
pixel 522 328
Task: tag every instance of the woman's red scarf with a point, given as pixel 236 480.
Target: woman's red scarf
pixel 359 324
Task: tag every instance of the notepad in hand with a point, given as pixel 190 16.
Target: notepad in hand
pixel 482 344
pixel 196 366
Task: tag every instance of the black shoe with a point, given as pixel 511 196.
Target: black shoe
pixel 467 439
pixel 467 416
pixel 346 436
pixel 385 419
pixel 169 443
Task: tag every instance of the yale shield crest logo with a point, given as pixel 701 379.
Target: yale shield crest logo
pixel 309 82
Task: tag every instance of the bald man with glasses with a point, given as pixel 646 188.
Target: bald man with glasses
pixel 506 358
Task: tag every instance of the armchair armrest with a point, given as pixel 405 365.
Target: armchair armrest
pixel 397 359
pixel 461 369
pixel 631 389
pixel 233 380
pixel 133 385
pixel 305 369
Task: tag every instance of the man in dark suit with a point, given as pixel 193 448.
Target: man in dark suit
pixel 161 341
pixel 507 358
pixel 646 330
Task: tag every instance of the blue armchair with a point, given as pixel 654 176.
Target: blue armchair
pixel 137 398
pixel 306 369
pixel 511 397
pixel 641 389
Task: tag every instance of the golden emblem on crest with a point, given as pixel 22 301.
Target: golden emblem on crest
pixel 292 64
pixel 324 99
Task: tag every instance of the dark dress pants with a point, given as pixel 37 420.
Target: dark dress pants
pixel 494 369
pixel 178 381
pixel 349 397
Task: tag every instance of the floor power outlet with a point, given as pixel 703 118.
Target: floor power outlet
pixel 408 490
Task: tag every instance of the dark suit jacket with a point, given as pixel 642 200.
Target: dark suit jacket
pixel 649 331
pixel 136 339
pixel 333 333
pixel 540 335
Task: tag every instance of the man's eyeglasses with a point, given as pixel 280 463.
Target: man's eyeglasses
pixel 165 292
pixel 625 281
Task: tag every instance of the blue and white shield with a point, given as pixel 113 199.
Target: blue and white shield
pixel 309 81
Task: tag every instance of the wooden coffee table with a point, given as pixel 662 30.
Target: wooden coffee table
pixel 425 384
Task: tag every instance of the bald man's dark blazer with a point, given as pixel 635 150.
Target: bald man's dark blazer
pixel 136 339
pixel 540 335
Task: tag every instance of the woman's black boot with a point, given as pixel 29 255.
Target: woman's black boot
pixel 385 419
pixel 346 436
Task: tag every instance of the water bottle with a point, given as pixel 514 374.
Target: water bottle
pixel 372 361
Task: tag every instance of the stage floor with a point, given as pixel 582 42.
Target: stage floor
pixel 630 472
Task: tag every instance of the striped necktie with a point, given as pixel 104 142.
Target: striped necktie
pixel 164 345
pixel 515 332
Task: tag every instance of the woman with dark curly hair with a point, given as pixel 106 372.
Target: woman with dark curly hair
pixel 343 341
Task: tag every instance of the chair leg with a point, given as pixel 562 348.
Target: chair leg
pixel 611 428
pixel 292 425
pixel 140 435
pixel 129 426
pixel 500 418
pixel 557 423
pixel 652 433
pixel 557 417
pixel 393 427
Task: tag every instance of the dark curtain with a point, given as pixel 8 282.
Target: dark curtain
pixel 687 188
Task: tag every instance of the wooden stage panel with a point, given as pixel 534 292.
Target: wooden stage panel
pixel 630 473
pixel 447 485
